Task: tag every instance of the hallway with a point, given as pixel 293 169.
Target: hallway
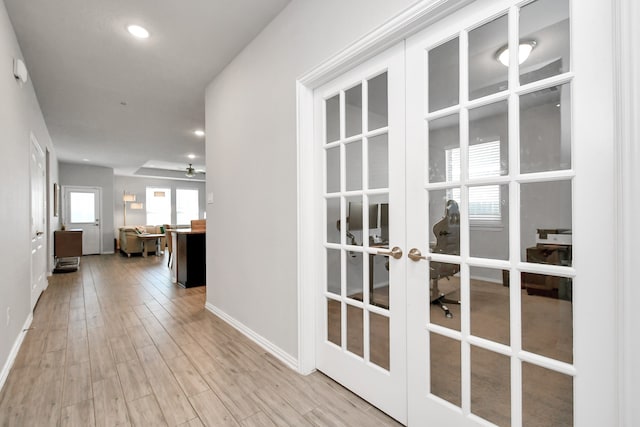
pixel 116 343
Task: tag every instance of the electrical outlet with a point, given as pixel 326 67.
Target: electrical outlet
pixel 8 315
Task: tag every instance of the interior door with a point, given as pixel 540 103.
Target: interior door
pixel 361 305
pixel 82 211
pixel 509 175
pixel 38 236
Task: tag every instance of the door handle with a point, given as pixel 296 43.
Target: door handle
pixel 39 233
pixel 395 252
pixel 415 255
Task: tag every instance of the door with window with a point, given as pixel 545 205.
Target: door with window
pixel 82 211
pixel 504 302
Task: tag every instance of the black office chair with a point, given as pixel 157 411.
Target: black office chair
pixel 447 232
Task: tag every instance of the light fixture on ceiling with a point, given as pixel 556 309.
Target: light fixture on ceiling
pixel 524 50
pixel 191 172
pixel 199 132
pixel 191 156
pixel 138 31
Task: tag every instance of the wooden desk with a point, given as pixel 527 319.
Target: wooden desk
pixel 190 255
pixel 145 237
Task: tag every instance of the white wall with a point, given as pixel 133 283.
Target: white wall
pixel 251 160
pixel 72 174
pixel 20 115
pixel 138 186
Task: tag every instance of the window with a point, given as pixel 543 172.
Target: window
pixel 484 201
pixel 187 207
pixel 158 206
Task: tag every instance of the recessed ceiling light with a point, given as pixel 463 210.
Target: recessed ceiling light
pixel 191 156
pixel 85 160
pixel 138 31
pixel 199 132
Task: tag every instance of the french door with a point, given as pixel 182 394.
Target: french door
pixel 463 284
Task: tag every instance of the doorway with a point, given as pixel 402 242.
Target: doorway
pixel 38 223
pixel 456 215
pixel 83 211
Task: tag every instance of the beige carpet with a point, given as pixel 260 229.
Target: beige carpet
pixel 546 329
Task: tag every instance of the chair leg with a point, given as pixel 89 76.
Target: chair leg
pixel 442 300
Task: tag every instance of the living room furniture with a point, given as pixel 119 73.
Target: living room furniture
pixel 545 285
pixel 190 256
pixel 67 249
pixel 130 243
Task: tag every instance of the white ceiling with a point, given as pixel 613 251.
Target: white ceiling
pixel 121 102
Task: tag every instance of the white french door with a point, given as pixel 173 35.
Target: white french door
pixel 496 174
pixel 361 325
pixel 82 211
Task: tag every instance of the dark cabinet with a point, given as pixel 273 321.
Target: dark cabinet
pixel 540 284
pixel 191 264
pixel 67 243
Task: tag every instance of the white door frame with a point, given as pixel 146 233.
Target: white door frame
pixel 34 144
pixel 627 108
pixel 65 208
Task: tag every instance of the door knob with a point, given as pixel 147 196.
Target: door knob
pixel 415 255
pixel 39 233
pixel 395 252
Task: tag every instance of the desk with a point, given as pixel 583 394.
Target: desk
pixel 156 237
pixel 545 285
pixel 189 268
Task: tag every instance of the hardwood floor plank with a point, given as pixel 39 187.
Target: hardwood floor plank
pixel 278 410
pixel 77 384
pixel 259 419
pixel 122 349
pixel 187 375
pixel 110 408
pixel 133 379
pixel 211 410
pixel 77 351
pixel 79 415
pixel 102 362
pixel 192 423
pixel 56 340
pixel 146 412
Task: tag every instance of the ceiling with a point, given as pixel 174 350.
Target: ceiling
pixel 112 100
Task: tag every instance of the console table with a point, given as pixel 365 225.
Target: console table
pixel 190 254
pixel 145 237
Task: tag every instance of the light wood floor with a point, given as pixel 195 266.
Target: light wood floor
pixel 116 343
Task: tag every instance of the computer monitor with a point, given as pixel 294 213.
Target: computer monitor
pixel 355 216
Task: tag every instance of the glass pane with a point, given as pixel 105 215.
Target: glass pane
pixel 354 221
pixel 546 222
pixel 379 161
pixel 489 141
pixel 334 319
pixel 444 221
pixel 490 304
pixel 353 159
pixel 333 271
pixel 487 74
pixel 355 334
pixel 187 206
pixel 378 102
pixel 445 368
pixel 332 106
pixel 444 73
pixel 444 144
pixel 83 207
pixel 545 130
pixel 379 265
pixel 333 220
pixel 547 316
pixel 379 340
pixel 544 24
pixel 158 206
pixel 489 216
pixel 445 294
pixel 547 397
pixel 491 386
pixel 354 275
pixel 333 170
pixel 353 111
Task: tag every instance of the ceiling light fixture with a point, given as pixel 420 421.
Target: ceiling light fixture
pixel 138 31
pixel 524 50
pixel 199 132
pixel 191 172
pixel 191 156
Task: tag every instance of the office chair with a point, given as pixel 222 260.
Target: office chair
pixel 447 232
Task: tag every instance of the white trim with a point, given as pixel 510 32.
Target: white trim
pixel 627 107
pixel 4 374
pixel 393 31
pixel 279 353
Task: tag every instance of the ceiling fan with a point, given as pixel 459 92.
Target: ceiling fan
pixel 191 172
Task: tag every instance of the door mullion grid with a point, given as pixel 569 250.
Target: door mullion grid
pixel 343 225
pixel 365 220
pixel 465 327
pixel 514 218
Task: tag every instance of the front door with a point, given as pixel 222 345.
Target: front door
pixel 82 211
pixel 38 237
pixel 501 300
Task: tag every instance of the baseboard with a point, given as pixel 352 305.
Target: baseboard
pixel 108 253
pixel 276 351
pixel 14 351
